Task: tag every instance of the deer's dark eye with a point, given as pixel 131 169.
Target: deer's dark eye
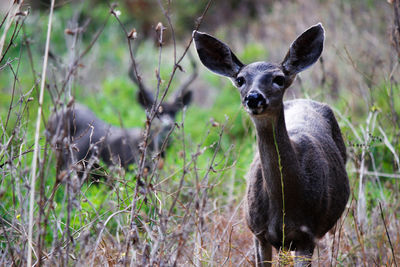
pixel 279 80
pixel 240 81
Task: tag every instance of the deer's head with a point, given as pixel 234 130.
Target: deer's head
pixel 167 111
pixel 261 84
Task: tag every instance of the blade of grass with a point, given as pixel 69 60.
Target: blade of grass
pixel 36 148
pixel 387 234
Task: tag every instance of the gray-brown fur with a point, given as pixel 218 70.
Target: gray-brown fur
pixel 302 136
pixel 91 136
pixel 77 134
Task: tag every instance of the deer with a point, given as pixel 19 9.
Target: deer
pixel 297 185
pixel 90 136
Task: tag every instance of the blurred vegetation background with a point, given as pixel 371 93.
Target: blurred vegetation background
pixel 211 150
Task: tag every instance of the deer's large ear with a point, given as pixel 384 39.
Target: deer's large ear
pixel 184 99
pixel 304 51
pixel 216 55
pixel 145 98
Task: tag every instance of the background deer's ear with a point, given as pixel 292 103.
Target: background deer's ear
pixel 186 97
pixel 183 99
pixel 304 51
pixel 216 55
pixel 145 98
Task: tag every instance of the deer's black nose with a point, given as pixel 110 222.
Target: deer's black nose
pixel 255 100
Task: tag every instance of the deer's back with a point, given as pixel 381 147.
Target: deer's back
pixel 122 146
pixel 86 130
pixel 321 154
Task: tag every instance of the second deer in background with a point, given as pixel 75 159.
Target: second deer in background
pixel 77 134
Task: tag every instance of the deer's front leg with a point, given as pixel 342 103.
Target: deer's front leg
pixel 263 253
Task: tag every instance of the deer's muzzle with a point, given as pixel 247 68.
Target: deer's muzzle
pixel 255 102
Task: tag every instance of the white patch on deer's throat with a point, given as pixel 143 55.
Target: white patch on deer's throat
pixel 304 229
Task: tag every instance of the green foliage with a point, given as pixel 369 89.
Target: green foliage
pixel 254 52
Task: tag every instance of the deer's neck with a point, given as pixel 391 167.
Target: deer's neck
pixel 278 160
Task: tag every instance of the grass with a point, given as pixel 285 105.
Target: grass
pixel 190 211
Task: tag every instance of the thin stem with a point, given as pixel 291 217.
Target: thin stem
pixel 387 233
pixel 282 185
pixel 36 148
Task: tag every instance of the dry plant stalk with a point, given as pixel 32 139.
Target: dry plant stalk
pixel 36 148
pixel 396 27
